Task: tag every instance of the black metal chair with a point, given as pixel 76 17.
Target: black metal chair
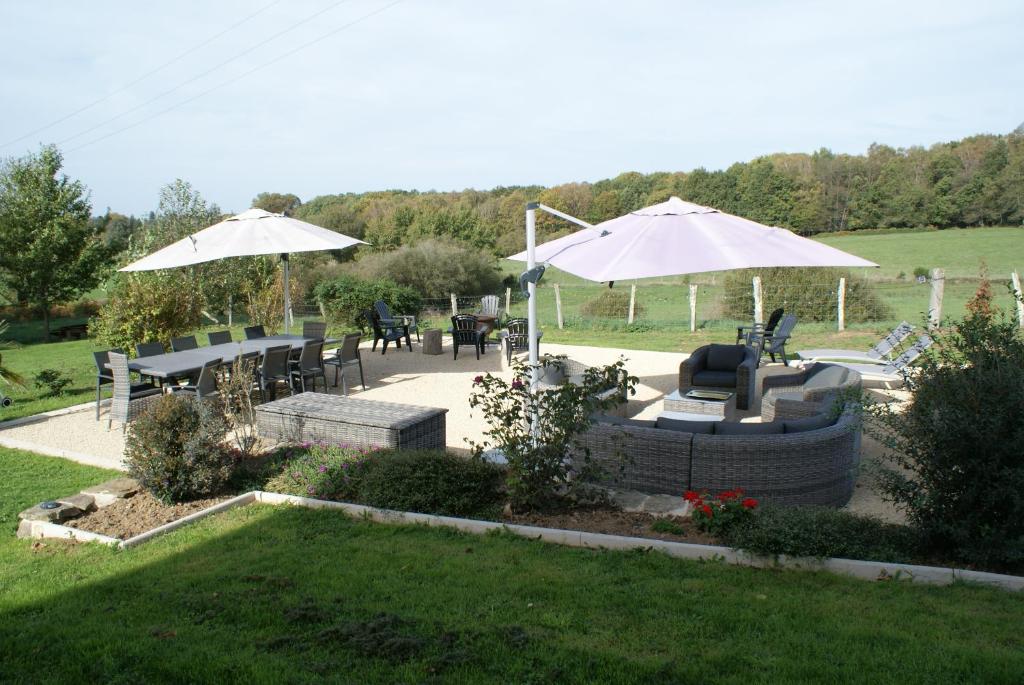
pixel 347 355
pixel 104 376
pixel 466 330
pixel 205 385
pixel 253 332
pixel 219 337
pixel 274 370
pixel 309 366
pixel 394 333
pixel 517 338
pixel 314 330
pixel 755 330
pixel 149 349
pixel 389 319
pixel 185 342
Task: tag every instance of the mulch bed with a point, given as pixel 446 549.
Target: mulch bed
pixel 614 522
pixel 129 517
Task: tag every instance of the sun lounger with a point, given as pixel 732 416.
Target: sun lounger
pixel 881 353
pixel 891 374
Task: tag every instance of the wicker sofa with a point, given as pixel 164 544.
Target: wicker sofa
pixel 808 392
pixel 556 371
pixel 721 367
pixel 811 460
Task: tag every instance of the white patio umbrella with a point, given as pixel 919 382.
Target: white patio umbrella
pixel 668 239
pixel 253 232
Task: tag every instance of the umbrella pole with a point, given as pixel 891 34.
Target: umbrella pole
pixel 531 302
pixel 287 294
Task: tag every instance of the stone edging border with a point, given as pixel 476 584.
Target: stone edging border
pixel 865 570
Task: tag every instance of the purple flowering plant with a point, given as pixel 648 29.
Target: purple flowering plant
pixel 321 470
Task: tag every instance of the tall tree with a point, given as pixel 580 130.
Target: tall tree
pixel 49 250
pixel 279 203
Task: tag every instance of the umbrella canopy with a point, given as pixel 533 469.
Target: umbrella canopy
pixel 678 237
pixel 253 232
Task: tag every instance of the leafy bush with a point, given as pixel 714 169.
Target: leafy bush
pixel 538 431
pixel 344 299
pixel 921 272
pixel 612 304
pixel 811 294
pixel 821 532
pixel 176 451
pixel 426 481
pixel 55 381
pixel 146 307
pixel 435 268
pixel 432 482
pixel 957 445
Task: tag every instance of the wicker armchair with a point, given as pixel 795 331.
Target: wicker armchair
pixel 130 400
pixel 731 368
pixel 806 393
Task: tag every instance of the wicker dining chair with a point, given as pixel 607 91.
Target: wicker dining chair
pixel 104 376
pixel 185 342
pixel 309 366
pixel 347 355
pixel 129 400
pixel 253 332
pixel 219 337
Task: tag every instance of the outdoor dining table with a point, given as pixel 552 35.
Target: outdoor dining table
pixel 181 364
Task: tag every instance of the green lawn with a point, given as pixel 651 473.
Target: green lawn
pixel 265 594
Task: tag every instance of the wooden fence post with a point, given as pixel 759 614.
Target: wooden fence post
pixel 758 301
pixel 935 304
pixel 1015 277
pixel 841 313
pixel 508 302
pixel 693 307
pixel 455 305
pixel 632 303
pixel 230 310
pixel 558 307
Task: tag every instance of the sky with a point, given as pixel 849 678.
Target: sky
pixel 320 97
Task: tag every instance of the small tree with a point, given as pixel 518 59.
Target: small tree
pixel 7 376
pixel 49 250
pixel 147 307
pixel 958 443
pixel 538 432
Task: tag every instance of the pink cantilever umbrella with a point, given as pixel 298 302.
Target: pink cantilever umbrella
pixel 678 237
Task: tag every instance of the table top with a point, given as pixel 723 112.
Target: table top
pixel 351 410
pixel 176 364
pixel 676 396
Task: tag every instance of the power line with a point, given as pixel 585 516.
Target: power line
pixel 141 78
pixel 203 74
pixel 240 76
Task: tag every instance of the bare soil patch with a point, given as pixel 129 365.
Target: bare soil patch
pixel 129 517
pixel 615 522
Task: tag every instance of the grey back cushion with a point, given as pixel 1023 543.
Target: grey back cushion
pixel 828 377
pixel 737 428
pixel 808 423
pixel 683 426
pixel 725 357
pixel 619 421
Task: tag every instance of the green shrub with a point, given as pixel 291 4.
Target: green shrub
pixel 612 304
pixel 176 451
pixel 921 272
pixel 811 294
pixel 435 268
pixel 822 532
pixel 323 471
pixel 957 445
pixel 53 380
pixel 145 307
pixel 344 299
pixel 432 482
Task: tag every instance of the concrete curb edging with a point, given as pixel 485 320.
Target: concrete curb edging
pixel 864 570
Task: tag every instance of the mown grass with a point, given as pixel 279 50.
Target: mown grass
pixel 265 594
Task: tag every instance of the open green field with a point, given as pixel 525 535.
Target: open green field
pixel 266 595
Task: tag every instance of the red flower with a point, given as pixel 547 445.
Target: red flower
pixel 478 380
pixel 691 496
pixel 728 495
pixel 516 384
pixel 749 503
pixel 707 511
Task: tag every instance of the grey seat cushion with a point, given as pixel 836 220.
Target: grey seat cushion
pixel 828 377
pixel 715 379
pixel 619 421
pixel 725 357
pixel 683 426
pixel 737 428
pixel 796 395
pixel 808 423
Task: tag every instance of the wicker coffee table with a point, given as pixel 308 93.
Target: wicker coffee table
pixel 334 419
pixel 679 406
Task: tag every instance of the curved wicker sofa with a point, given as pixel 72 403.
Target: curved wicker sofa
pixel 807 392
pixel 810 467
